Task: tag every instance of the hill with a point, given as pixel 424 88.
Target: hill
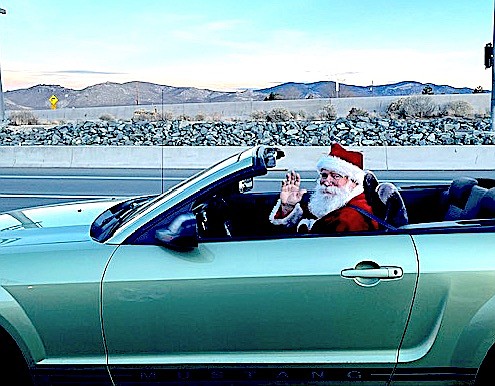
pixel 143 93
pixel 328 90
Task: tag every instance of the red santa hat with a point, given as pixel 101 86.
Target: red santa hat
pixel 345 162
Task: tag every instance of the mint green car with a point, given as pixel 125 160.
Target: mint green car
pixel 196 286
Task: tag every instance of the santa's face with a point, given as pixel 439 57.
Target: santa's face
pixel 332 192
pixel 331 178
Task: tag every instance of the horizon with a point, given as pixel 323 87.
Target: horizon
pixel 227 47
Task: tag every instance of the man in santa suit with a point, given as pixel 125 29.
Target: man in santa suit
pixel 332 206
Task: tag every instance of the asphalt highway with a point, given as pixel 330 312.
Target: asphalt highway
pixel 26 187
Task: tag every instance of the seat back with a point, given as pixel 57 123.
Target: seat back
pixel 454 200
pixel 370 183
pixel 487 205
pixel 395 209
pixel 473 204
pixel 385 200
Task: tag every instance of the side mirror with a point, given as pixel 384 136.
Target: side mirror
pixel 246 185
pixel 181 235
pixel 271 155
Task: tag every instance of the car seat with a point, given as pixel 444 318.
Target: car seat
pixel 487 205
pixel 473 204
pixel 385 201
pixel 395 209
pixel 454 200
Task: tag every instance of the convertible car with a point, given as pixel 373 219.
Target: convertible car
pixel 196 286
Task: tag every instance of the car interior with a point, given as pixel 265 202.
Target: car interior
pixel 465 201
pixel 231 213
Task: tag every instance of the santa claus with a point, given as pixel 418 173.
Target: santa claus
pixel 336 205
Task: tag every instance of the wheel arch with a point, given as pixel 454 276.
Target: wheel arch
pixel 477 340
pixel 487 368
pixel 15 324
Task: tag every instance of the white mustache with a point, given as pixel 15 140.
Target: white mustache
pixel 326 199
pixel 329 189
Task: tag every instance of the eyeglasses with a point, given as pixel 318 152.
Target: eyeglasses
pixel 335 176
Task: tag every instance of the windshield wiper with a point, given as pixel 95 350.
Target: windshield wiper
pixel 106 223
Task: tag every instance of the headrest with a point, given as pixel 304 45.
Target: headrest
pixel 460 189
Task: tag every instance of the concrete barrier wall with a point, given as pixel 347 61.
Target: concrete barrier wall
pixel 243 110
pixel 198 157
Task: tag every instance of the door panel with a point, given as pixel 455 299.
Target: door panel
pixel 256 302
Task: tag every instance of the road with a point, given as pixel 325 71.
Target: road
pixel 24 187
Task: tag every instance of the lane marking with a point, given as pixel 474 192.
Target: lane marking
pixel 271 179
pixel 178 179
pixel 13 177
pixel 60 196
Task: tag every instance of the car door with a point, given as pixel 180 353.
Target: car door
pixel 249 308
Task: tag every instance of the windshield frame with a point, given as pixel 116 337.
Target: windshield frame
pixel 247 160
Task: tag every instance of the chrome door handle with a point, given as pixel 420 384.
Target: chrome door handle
pixel 373 273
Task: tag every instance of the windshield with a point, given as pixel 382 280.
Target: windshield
pixel 204 173
pixel 109 221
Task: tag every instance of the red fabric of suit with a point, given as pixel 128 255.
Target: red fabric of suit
pixel 346 219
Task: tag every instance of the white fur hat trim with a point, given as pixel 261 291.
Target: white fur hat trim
pixel 338 165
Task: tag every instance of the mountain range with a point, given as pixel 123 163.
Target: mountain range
pixel 143 93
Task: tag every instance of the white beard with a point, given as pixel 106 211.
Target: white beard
pixel 326 199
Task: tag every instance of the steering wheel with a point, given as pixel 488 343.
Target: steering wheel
pixel 214 218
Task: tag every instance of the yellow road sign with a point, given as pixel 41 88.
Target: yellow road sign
pixel 53 100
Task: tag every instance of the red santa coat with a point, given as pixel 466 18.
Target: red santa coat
pixel 345 219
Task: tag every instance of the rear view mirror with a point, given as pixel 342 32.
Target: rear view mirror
pixel 181 234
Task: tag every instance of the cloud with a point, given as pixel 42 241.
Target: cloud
pixel 84 72
pixel 224 25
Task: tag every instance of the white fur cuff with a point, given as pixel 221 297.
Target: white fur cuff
pixel 308 222
pixel 291 220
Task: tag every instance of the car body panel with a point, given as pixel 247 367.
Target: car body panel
pixel 257 302
pixel 31 237
pixel 71 214
pixel 18 325
pixel 59 291
pixel 456 283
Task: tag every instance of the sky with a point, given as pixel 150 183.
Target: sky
pixel 228 45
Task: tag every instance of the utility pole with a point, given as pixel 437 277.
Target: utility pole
pixel 162 105
pixel 2 106
pixel 492 111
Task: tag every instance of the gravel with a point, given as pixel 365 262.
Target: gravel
pixel 357 131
